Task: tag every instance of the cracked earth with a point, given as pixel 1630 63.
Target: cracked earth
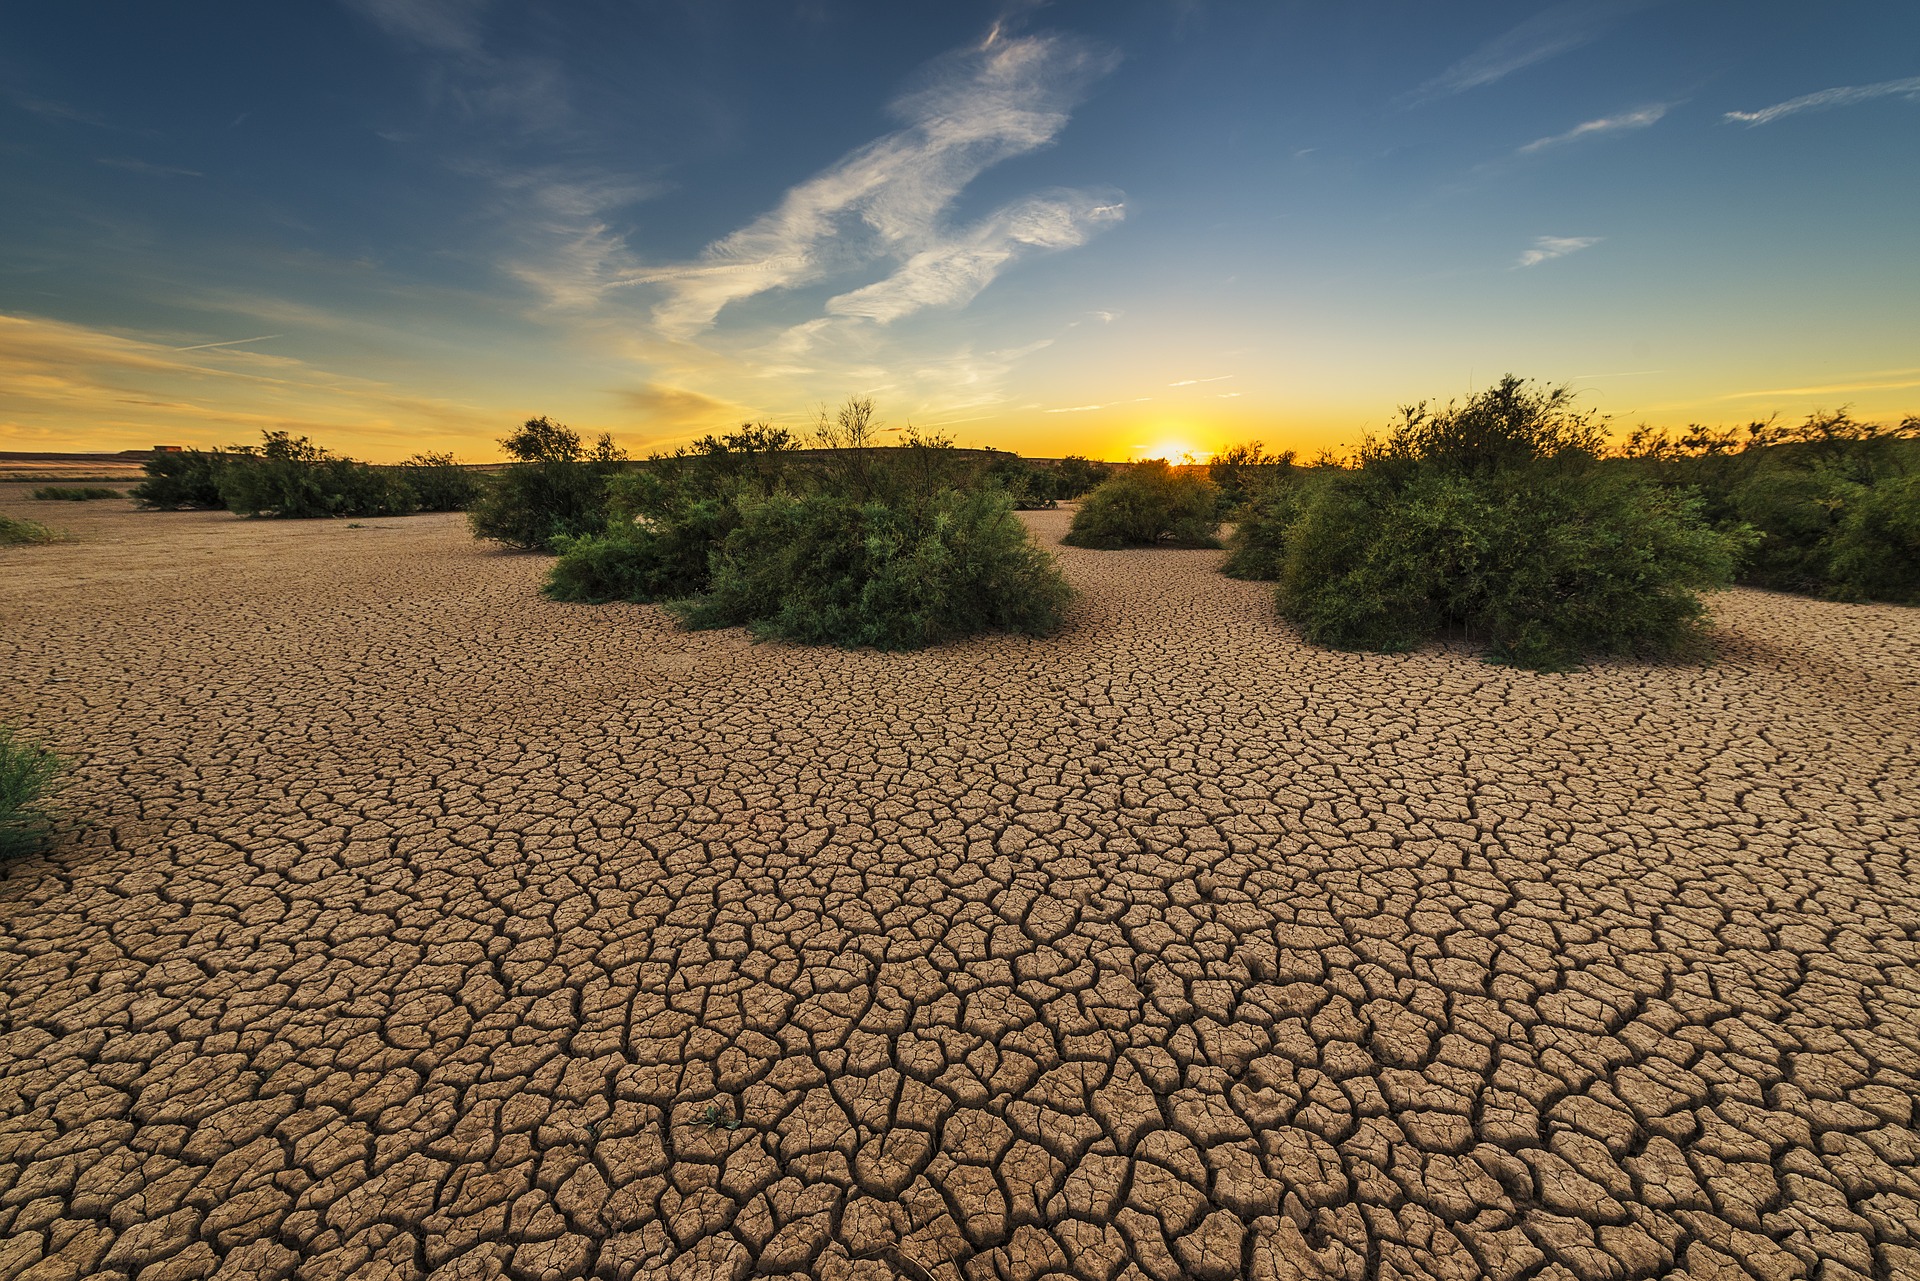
pixel 417 925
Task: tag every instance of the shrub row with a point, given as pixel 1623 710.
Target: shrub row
pixel 894 548
pixel 291 477
pixel 58 493
pixel 1833 504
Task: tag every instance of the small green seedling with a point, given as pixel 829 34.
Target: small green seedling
pixel 716 1117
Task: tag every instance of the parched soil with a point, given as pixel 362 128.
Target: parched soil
pixel 419 925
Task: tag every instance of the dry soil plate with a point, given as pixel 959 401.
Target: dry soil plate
pixel 422 926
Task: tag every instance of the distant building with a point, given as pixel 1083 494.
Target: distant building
pixel 168 449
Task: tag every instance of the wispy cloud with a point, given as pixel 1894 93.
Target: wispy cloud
pixel 1644 118
pixel 452 26
pixel 47 109
pixel 1076 409
pixel 1549 33
pixel 953 271
pixel 132 165
pixel 1195 382
pixel 1844 96
pixel 1891 380
pixel 1547 248
pixel 888 200
pixel 231 342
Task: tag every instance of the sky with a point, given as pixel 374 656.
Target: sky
pixel 1119 228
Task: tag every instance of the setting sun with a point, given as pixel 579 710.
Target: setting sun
pixel 1172 448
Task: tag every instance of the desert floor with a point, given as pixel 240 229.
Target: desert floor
pixel 413 923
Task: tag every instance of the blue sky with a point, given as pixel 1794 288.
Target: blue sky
pixel 1100 227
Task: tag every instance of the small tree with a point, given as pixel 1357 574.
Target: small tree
pixel 556 489
pixel 1148 504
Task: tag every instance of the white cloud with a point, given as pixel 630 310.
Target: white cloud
pixel 132 165
pixel 1641 119
pixel 1194 382
pixel 953 271
pixel 1076 409
pixel 1547 248
pixel 1549 33
pixel 1844 96
pixel 887 200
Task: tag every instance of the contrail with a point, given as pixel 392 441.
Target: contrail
pixel 235 343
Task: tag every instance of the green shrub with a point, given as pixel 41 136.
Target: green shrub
pixel 16 532
pixel 829 568
pixel 1811 492
pixel 1242 473
pixel 1258 545
pixel 1876 550
pixel 1496 518
pixel 666 518
pixel 188 478
pixel 1545 566
pixel 439 484
pixel 1027 486
pixel 27 773
pixel 292 478
pixel 56 493
pixel 1146 505
pixel 556 489
pixel 1075 476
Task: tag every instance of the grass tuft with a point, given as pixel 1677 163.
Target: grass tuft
pixel 27 775
pixel 14 531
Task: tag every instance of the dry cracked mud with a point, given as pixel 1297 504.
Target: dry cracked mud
pixel 420 926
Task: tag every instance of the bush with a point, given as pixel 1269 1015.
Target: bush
pixel 292 478
pixel 1495 517
pixel 1027 486
pixel 1811 492
pixel 16 532
pixel 27 773
pixel 55 493
pixel 828 568
pixel 1258 545
pixel 1149 504
pixel 1545 568
pixel 666 518
pixel 1242 473
pixel 439 484
pixel 186 479
pixel 557 489
pixel 1075 476
pixel 1876 550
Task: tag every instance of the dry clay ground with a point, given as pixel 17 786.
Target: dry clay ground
pixel 419 921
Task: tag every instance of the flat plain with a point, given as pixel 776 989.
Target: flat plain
pixel 413 924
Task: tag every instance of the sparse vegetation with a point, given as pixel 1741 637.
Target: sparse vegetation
pixel 1495 517
pixel 439 484
pixel 556 489
pixel 185 479
pixel 1074 476
pixel 1149 504
pixel 83 494
pixel 27 775
pixel 292 478
pixel 15 532
pixel 1242 473
pixel 1258 545
pixel 1832 502
pixel 861 545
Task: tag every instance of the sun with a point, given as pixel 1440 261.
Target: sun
pixel 1172 448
